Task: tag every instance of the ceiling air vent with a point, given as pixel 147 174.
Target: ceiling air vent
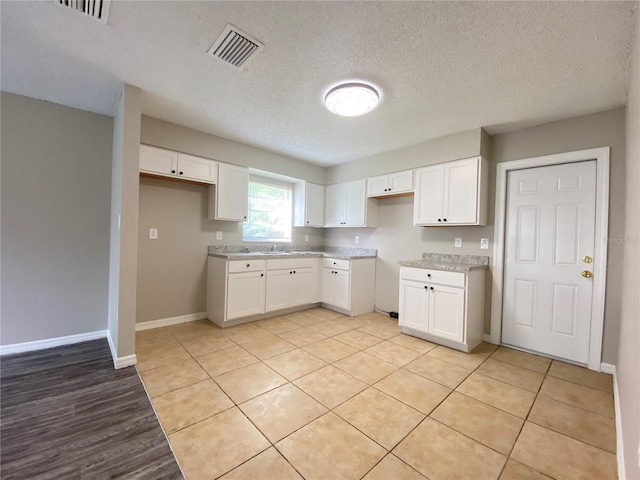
pixel 97 9
pixel 235 47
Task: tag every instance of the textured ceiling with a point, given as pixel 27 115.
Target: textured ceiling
pixel 443 67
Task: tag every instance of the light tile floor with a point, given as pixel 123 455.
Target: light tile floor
pixel 318 395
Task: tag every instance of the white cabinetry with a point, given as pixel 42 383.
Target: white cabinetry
pixel 348 285
pixel 308 205
pixel 291 282
pixel 160 162
pixel 245 288
pixel 452 193
pixel 392 184
pixel 228 200
pixel 443 307
pixel 347 205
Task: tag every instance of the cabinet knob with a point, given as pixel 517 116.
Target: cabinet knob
pixel 445 219
pixel 389 189
pixel 173 171
pixel 307 221
pixel 439 219
pixel 248 265
pixel 290 273
pixel 425 287
pixel 294 272
pixel 431 288
pixel 428 275
pixel 181 173
pixel 262 274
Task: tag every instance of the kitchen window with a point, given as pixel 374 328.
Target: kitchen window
pixel 270 212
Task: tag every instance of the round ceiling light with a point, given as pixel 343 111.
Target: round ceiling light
pixel 352 99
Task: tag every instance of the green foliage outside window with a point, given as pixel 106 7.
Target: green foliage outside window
pixel 269 214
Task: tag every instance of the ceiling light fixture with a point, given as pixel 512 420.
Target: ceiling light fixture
pixel 352 99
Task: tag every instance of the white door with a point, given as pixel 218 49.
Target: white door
pixel 335 199
pixel 446 312
pixel 303 286
pixel 245 294
pixel 315 205
pixel 549 242
pixel 328 286
pixel 378 185
pixel 461 192
pixel 232 193
pixel 158 160
pixel 356 203
pixel 401 182
pixel 278 289
pixel 414 305
pixel 197 168
pixel 427 207
pixel 342 289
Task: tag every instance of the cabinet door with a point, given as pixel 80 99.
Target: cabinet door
pixel 342 289
pixel 378 185
pixel 461 192
pixel 400 182
pixel 158 161
pixel 197 168
pixel 356 203
pixel 278 290
pixel 304 286
pixel 328 286
pixel 245 294
pixel 414 305
pixel 335 200
pixel 314 205
pixel 427 206
pixel 232 193
pixel 446 312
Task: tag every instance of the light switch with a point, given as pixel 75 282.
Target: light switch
pixel 457 242
pixel 306 238
pixel 153 233
pixel 357 238
pixel 484 243
pixel 218 235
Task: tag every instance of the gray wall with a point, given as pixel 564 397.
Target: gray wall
pixel 123 258
pixel 171 277
pixel 56 171
pixel 628 365
pixel 397 239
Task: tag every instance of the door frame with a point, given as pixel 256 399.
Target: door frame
pixel 601 156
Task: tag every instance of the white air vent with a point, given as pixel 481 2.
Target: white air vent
pixel 235 47
pixel 97 9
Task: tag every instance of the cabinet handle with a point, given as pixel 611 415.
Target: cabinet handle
pixel 445 219
pixel 248 265
pixel 389 189
pixel 245 217
pixel 439 219
pixel 428 275
pixel 181 173
pixel 294 272
pixel 173 171
pixel 431 288
pixel 425 287
pixel 262 274
pixel 307 221
pixel 290 273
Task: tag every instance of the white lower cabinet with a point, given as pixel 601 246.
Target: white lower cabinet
pixel 348 286
pixel 291 283
pixel 245 295
pixel 442 306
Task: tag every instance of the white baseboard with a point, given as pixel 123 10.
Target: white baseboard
pixel 165 322
pixel 120 362
pixel 51 342
pixel 616 401
pixel 608 368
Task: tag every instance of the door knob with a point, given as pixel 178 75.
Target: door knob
pixel 587 259
pixel 587 274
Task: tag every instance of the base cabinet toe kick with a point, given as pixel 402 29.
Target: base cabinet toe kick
pixel 443 307
pixel 241 291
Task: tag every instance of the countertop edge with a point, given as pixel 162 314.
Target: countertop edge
pixel 445 266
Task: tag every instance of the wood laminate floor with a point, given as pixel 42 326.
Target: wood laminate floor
pixel 66 413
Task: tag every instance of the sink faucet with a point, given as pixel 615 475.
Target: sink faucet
pixel 275 246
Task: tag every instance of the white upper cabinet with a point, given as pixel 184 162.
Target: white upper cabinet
pixel 161 162
pixel 346 205
pixel 308 205
pixel 452 193
pixel 228 200
pixel 391 184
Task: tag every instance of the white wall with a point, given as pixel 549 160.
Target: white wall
pixel 628 364
pixel 56 170
pixel 396 238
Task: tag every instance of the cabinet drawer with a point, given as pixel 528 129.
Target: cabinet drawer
pixel 336 263
pixel 286 263
pixel 454 279
pixel 236 266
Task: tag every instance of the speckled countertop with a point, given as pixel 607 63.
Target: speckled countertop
pixel 450 262
pixel 290 251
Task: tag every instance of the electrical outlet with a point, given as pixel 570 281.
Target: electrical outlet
pixel 218 235
pixel 357 238
pixel 153 233
pixel 457 242
pixel 306 238
pixel 484 243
